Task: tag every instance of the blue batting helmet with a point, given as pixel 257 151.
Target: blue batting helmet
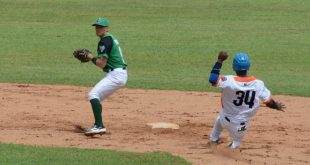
pixel 241 62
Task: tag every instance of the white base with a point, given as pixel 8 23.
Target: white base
pixel 163 125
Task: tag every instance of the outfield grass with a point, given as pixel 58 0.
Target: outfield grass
pixel 167 44
pixel 29 155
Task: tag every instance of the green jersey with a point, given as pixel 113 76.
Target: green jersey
pixel 109 48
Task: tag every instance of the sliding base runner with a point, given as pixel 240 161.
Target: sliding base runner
pixel 241 96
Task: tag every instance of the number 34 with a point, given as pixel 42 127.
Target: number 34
pixel 246 97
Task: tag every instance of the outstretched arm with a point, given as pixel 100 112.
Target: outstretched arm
pixel 215 72
pixel 275 105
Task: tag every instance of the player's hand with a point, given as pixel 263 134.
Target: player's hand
pixel 222 56
pixel 90 56
pixel 280 106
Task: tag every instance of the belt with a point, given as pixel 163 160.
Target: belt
pixel 242 123
pixel 111 69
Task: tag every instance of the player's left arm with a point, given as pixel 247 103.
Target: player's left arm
pixel 215 72
pixel 265 95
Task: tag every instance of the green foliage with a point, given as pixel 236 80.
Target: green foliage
pixel 22 154
pixel 167 44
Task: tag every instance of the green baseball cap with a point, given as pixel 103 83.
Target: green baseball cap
pixel 101 22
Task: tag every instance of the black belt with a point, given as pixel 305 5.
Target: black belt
pixel 243 123
pixel 111 69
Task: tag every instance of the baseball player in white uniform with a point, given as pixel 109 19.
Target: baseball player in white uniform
pixel 241 96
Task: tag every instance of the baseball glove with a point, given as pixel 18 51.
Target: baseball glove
pixel 276 105
pixel 81 54
pixel 279 106
pixel 222 56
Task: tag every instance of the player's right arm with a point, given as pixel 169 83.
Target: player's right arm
pixel 100 62
pixel 215 72
pixel 104 48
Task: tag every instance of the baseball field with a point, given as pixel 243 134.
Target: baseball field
pixel 170 47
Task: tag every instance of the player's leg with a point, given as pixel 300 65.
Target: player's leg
pixel 216 130
pixel 94 99
pixel 108 85
pixel 237 132
pixel 103 89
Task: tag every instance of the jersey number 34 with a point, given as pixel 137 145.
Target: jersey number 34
pixel 246 97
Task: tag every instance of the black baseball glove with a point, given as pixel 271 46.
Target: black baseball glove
pixel 276 105
pixel 81 54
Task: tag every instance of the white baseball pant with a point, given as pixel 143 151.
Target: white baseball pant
pixel 112 81
pixel 236 130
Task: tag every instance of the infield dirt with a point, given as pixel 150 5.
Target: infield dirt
pixel 48 115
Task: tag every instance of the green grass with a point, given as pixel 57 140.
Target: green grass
pixel 167 44
pixel 22 154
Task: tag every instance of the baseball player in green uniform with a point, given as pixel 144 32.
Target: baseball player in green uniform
pixel 111 60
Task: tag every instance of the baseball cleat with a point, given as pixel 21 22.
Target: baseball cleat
pixel 231 145
pixel 95 130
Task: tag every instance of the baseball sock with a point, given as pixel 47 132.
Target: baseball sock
pixel 97 110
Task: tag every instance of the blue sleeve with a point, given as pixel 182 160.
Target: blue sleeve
pixel 215 73
pixel 213 78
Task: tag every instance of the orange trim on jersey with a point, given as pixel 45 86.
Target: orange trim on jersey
pixel 268 101
pixel 244 79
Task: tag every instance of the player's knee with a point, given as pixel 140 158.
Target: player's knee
pixel 93 95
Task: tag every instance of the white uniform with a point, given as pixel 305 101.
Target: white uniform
pixel 240 100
